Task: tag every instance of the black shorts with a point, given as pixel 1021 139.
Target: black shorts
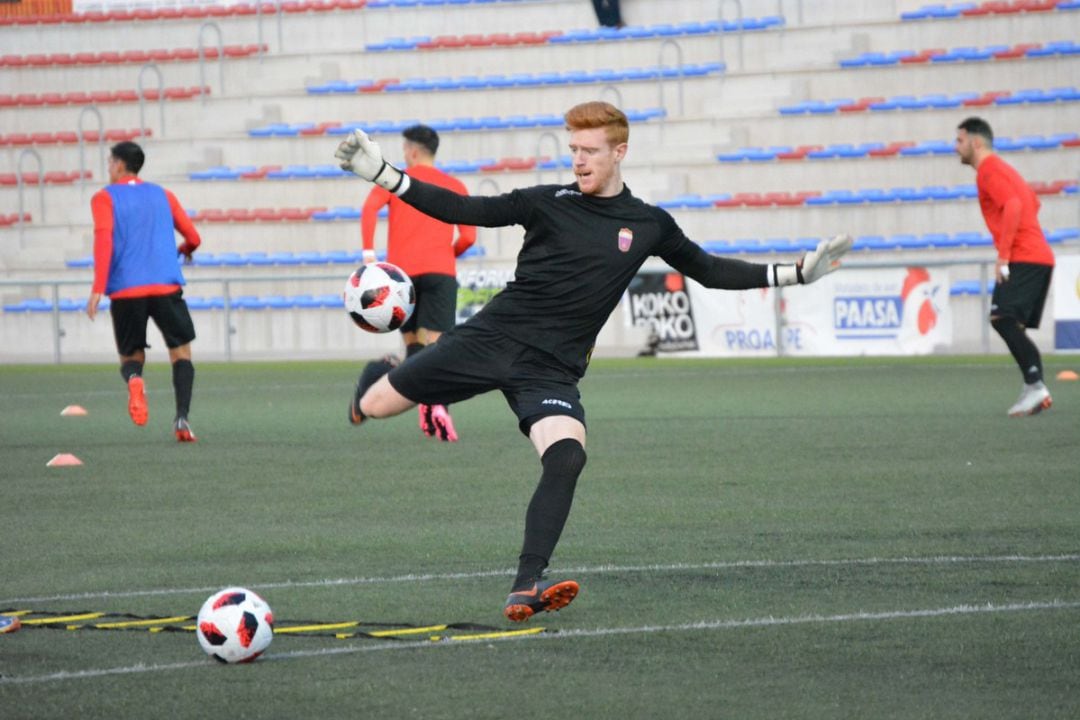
pixel 472 359
pixel 1023 295
pixel 170 314
pixel 436 303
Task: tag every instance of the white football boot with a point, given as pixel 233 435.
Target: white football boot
pixel 1034 398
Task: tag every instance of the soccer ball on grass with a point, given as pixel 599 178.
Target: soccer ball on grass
pixel 235 625
pixel 379 297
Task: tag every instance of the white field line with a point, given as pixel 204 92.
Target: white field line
pixel 581 570
pixel 701 626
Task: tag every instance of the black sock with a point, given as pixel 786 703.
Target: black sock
pixel 183 378
pixel 130 368
pixel 413 348
pixel 369 376
pixel 549 508
pixel 1023 350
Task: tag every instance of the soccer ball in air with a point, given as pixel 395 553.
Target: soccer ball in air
pixel 235 625
pixel 379 297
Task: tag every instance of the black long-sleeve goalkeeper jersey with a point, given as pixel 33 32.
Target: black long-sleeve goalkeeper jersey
pixel 580 253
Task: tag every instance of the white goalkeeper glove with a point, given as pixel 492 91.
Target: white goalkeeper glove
pixel 815 264
pixel 362 156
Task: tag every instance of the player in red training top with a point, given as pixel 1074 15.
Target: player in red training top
pixel 136 264
pixel 1025 261
pixel 425 249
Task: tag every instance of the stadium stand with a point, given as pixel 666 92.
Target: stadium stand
pixel 770 129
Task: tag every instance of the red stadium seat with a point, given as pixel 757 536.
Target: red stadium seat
pixel 891 149
pixel 77 98
pixel 66 137
pixel 102 96
pixel 266 215
pixel 62 59
pixel 518 163
pixel 86 58
pixel 160 55
pixel 53 99
pixel 861 105
pixel 110 57
pixel 196 12
pixel 239 215
pixel 320 129
pixel 38 60
pixel 126 96
pixel 299 214
pixel 43 138
pixel 18 139
pixel 134 56
pixel 922 56
pixel 29 99
pixel 60 178
pixel 144 14
pixel 798 153
pixel 210 215
pixel 185 54
pixel 260 173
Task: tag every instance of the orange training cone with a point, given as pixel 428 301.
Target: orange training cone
pixel 1068 375
pixel 73 410
pixel 64 460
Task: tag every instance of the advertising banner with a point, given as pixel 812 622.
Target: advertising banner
pixel 889 311
pixel 901 311
pixel 1066 290
pixel 660 302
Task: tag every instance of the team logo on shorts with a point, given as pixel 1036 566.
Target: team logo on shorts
pixel 626 236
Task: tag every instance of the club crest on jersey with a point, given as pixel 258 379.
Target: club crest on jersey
pixel 626 236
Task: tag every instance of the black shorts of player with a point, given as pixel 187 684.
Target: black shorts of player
pixel 472 359
pixel 1023 295
pixel 169 312
pixel 436 303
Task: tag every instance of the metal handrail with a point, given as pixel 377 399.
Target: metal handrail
pixel 259 27
pixel 738 35
pixel 555 156
pixel 29 152
pixel 798 10
pixel 210 25
pixel 142 98
pixel 678 78
pixel 83 178
pixel 611 89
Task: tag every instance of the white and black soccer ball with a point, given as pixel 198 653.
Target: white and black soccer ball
pixel 379 297
pixel 235 625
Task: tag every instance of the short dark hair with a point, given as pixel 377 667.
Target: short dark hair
pixel 130 154
pixel 978 126
pixel 424 136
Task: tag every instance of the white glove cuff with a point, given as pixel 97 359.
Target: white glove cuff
pixel 392 179
pixel 779 275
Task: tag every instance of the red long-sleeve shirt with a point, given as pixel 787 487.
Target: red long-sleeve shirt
pixel 101 206
pixel 417 243
pixel 1011 211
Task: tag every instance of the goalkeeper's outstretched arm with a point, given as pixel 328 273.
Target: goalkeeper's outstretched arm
pixel 362 156
pixel 732 274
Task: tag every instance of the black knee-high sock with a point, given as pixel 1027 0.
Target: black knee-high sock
pixel 549 508
pixel 183 379
pixel 130 368
pixel 370 375
pixel 1023 350
pixel 413 348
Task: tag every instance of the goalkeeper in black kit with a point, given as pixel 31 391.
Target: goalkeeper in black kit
pixel 584 242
